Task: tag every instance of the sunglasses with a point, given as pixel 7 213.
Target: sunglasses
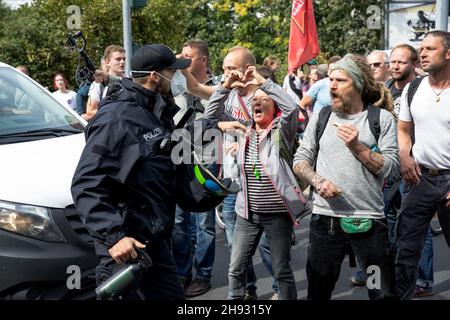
pixel 377 64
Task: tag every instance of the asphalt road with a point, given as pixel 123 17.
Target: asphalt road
pixel 344 289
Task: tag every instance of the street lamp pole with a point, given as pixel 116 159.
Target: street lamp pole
pixel 442 15
pixel 126 9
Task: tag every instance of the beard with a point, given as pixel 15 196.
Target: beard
pixel 433 68
pixel 344 105
pixel 163 87
pixel 403 75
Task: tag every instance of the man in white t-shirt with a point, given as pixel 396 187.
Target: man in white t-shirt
pixel 114 57
pixel 424 140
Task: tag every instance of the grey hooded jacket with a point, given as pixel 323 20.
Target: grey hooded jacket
pixel 275 167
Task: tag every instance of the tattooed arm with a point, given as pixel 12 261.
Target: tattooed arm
pixel 371 160
pixel 324 187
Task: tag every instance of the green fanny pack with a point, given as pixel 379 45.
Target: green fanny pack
pixel 355 225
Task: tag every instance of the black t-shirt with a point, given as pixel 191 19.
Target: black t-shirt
pixel 396 95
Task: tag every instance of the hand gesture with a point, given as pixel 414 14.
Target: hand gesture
pixel 253 77
pixel 328 190
pixel 232 149
pixel 349 134
pixel 123 250
pixel 100 76
pixel 234 80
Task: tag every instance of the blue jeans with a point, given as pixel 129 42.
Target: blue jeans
pixel 185 255
pixel 246 237
pixel 425 279
pixel 81 98
pixel 390 212
pixel 264 251
pixel 229 218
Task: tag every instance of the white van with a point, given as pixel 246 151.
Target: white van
pixel 45 251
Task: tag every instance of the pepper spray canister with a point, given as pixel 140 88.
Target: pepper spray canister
pixel 112 287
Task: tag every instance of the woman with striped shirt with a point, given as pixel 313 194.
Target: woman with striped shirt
pixel 269 199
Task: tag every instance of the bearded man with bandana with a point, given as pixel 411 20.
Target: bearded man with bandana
pixel 346 168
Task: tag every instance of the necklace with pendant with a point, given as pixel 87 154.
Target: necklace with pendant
pixel 438 98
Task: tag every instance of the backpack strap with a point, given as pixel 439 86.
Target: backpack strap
pixel 324 116
pixel 373 115
pixel 412 89
pixel 413 85
pixel 388 84
pixel 322 120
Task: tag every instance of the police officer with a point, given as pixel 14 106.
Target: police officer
pixel 123 186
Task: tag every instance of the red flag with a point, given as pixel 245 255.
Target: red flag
pixel 303 40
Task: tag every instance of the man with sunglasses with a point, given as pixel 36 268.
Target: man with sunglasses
pixel 123 186
pixel 379 63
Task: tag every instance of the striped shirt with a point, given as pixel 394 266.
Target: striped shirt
pixel 262 196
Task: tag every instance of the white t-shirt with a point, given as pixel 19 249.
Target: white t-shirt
pixel 97 91
pixel 288 89
pixel 66 98
pixel 431 125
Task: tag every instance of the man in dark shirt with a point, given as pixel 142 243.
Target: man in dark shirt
pixel 404 59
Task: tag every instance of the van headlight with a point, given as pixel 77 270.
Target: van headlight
pixel 31 221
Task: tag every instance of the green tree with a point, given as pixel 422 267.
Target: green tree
pixel 260 25
pixel 342 26
pixel 35 35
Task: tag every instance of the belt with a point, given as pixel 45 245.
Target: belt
pixel 434 172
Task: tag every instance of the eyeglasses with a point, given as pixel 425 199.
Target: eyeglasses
pixel 377 64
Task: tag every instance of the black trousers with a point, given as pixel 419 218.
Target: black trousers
pixel 160 282
pixel 420 203
pixel 328 244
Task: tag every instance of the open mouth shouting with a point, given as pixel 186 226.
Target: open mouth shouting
pixel 335 97
pixel 258 112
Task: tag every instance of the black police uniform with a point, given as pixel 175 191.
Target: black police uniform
pixel 124 183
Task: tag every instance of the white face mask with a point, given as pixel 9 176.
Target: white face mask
pixel 178 83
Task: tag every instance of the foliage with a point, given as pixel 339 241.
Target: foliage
pixel 35 35
pixel 342 27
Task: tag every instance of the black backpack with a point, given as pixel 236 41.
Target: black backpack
pixel 373 117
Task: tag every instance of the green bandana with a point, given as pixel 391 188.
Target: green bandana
pixel 352 69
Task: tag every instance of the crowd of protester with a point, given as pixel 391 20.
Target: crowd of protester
pixel 367 136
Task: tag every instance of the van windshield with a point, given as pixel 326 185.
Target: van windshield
pixel 28 112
